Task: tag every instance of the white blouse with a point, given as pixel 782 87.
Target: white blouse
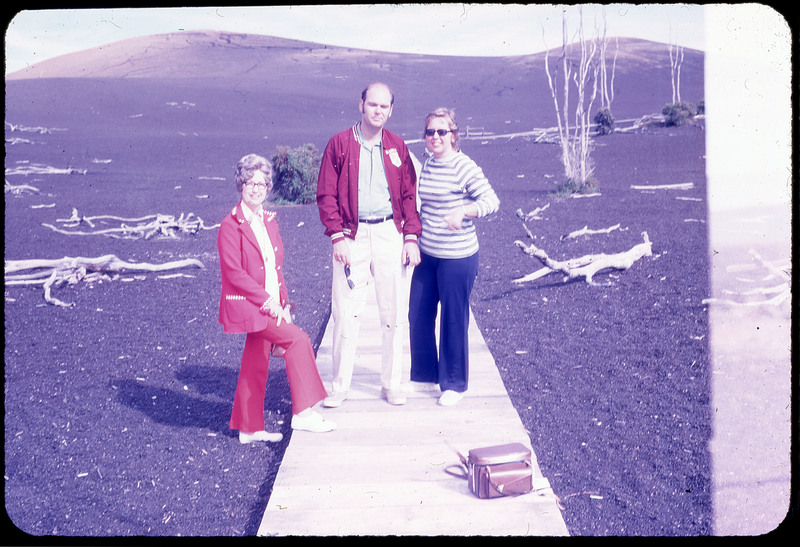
pixel 256 221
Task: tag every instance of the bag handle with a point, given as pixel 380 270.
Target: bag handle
pixel 464 470
pixel 462 474
pixel 459 454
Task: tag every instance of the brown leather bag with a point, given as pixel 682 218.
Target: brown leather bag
pixel 496 471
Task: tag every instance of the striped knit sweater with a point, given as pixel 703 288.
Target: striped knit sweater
pixel 444 185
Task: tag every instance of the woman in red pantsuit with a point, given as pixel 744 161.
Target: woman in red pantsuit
pixel 254 300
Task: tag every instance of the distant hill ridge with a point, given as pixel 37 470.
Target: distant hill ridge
pixel 213 54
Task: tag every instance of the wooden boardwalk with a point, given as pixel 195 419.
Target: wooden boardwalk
pixel 382 471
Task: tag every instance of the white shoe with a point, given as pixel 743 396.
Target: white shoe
pixel 312 421
pixel 395 397
pixel 247 438
pixel 334 400
pixel 450 397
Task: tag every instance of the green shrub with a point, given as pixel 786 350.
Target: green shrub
pixel 295 172
pixel 572 186
pixel 605 121
pixel 678 113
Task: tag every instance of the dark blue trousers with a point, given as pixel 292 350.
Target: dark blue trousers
pixel 448 282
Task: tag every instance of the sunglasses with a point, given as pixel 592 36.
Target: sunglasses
pixel 440 132
pixel 347 276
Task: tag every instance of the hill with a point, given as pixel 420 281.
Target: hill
pixel 281 80
pixel 211 54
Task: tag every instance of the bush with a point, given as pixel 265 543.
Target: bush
pixel 571 186
pixel 605 121
pixel 678 113
pixel 295 172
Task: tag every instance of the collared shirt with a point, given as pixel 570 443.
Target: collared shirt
pixel 373 187
pixel 256 220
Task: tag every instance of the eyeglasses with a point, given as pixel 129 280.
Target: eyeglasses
pixel 441 132
pixel 347 276
pixel 259 185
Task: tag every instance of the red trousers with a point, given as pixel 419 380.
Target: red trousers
pixel 305 383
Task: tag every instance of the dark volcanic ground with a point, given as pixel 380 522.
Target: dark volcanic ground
pixel 116 409
pixel 621 372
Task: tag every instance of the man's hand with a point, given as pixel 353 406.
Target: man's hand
pixel 411 256
pixel 341 251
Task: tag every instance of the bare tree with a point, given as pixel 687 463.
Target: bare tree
pixel 607 83
pixel 574 139
pixel 675 62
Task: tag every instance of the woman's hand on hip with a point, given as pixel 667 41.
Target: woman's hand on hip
pixel 454 218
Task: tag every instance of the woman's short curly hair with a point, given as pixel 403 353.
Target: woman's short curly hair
pixel 247 167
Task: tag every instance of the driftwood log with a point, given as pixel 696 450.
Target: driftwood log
pixel 132 228
pixel 532 215
pixel 677 186
pixel 587 231
pixel 17 189
pixel 585 266
pixel 71 270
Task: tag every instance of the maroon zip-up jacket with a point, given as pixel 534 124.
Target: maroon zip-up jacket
pixel 337 185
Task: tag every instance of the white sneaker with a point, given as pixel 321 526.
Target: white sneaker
pixel 395 397
pixel 450 397
pixel 312 421
pixel 247 438
pixel 335 399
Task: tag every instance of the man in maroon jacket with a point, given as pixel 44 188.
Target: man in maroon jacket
pixel 367 201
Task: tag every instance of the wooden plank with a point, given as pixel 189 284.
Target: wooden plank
pixel 383 470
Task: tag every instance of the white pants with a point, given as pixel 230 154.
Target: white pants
pixel 375 259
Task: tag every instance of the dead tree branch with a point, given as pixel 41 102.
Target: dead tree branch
pixel 677 186
pixel 531 215
pixel 55 272
pixel 144 227
pixel 585 266
pixel 586 231
pixel 17 189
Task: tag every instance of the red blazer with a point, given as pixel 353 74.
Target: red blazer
pixel 243 276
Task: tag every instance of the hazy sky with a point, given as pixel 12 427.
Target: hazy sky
pixel 449 29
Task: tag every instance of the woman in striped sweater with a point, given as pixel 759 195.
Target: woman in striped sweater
pixel 453 190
